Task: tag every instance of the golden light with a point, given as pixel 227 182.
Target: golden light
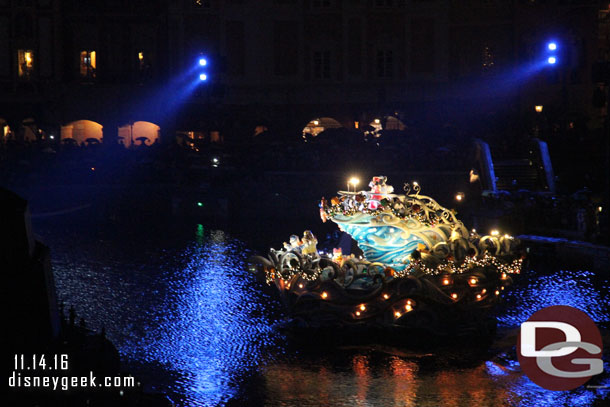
pixel 495 232
pixel 385 296
pixel 397 314
pixel 599 209
pixel 415 184
pixel 459 196
pixel 454 296
pixel 478 296
pixel 28 58
pixel 409 302
pixel 300 285
pixel 472 281
pixel 377 121
pixel 356 125
pixel 446 281
pixel 497 292
pixel 502 288
pixel 324 295
pixel 316 122
pixel 484 291
pixel 362 307
pixel 538 108
pixel 354 181
pixel 408 307
pixel 140 55
pixel 92 168
pixel 503 276
pixel 474 231
pixel 357 313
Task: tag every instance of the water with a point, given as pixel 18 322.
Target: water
pixel 191 322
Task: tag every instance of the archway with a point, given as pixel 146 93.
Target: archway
pixel 142 133
pixel 82 131
pixel 318 125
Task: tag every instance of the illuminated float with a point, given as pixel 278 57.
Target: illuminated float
pixel 421 268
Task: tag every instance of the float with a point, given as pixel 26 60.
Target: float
pixel 420 269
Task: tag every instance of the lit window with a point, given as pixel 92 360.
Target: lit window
pixel 321 64
pixel 26 63
pixel 87 64
pixel 487 58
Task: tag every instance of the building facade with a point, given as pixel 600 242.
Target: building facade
pixel 280 64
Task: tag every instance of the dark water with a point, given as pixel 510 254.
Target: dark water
pixel 191 322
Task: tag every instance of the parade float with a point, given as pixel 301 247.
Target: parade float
pixel 420 268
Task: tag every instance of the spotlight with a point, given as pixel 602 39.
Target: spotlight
pixel 203 77
pixel 552 60
pixel 552 46
pixel 203 61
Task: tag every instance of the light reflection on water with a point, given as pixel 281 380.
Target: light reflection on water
pixel 194 324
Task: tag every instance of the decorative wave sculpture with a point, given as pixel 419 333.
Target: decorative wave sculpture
pixel 389 227
pixel 419 260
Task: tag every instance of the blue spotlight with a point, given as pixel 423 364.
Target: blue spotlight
pixel 552 60
pixel 203 77
pixel 203 61
pixel 552 46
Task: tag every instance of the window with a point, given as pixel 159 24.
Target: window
pixel 144 66
pixel 285 47
pixel 87 64
pixel 321 64
pixel 487 58
pixel 25 58
pixel 384 64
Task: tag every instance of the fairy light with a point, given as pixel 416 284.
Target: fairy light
pixel 357 313
pixel 472 281
pixel 459 196
pixel 300 285
pixel 484 290
pixel 408 308
pixel 362 307
pixel 409 302
pixel 479 296
pixel 397 314
pixel 454 296
pixel 445 281
pixel 497 292
pixel 324 295
pixel 385 296
pixel 495 232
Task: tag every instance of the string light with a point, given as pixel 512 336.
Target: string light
pixel 324 295
pixel 385 296
pixel 454 296
pixel 362 307
pixel 397 314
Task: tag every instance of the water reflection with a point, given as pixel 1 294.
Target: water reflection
pixel 192 322
pixel 214 326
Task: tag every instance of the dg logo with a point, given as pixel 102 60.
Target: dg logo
pixel 560 348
